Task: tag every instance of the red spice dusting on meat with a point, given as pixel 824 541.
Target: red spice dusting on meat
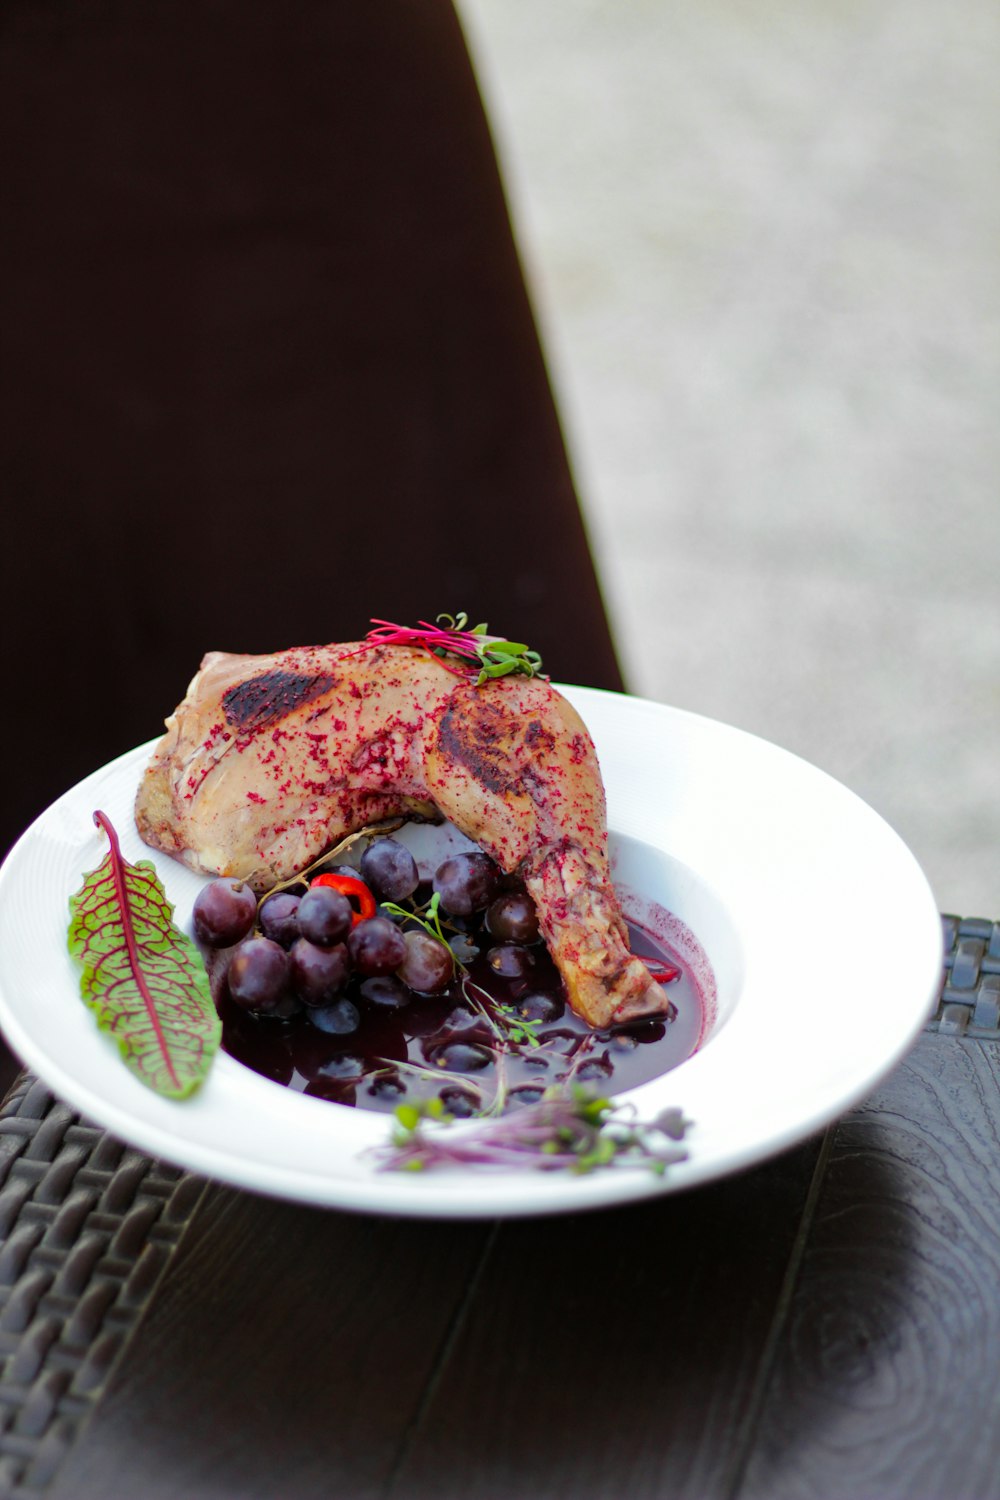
pixel 194 782
pixel 509 763
pixel 578 749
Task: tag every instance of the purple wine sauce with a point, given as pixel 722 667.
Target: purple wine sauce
pixel 399 1054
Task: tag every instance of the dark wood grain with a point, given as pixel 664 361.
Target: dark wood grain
pixel 886 1382
pixel 614 1354
pixel 824 1326
pixel 299 1353
pixel 287 1354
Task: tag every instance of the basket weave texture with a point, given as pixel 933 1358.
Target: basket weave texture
pixel 87 1226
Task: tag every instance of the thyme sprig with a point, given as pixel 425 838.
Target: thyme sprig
pixel 570 1128
pixel 481 655
pixel 512 1027
pixel 370 830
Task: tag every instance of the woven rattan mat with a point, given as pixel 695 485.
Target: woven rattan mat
pixel 88 1225
pixel 969 1003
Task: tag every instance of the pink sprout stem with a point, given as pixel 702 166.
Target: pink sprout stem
pixel 432 638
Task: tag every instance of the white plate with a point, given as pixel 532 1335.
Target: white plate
pixel 823 934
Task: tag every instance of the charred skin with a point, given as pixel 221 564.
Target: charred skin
pixel 271 760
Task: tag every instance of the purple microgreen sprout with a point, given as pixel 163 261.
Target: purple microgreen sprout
pixel 571 1129
pixel 482 656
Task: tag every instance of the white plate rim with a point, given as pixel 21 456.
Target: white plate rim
pixel 792 854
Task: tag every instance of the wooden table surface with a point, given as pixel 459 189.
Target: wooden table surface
pixel 824 1325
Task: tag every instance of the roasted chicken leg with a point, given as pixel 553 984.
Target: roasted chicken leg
pixel 270 760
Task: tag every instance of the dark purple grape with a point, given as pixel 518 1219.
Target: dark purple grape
pixel 376 947
pixel 289 1005
pixel 469 924
pixel 427 1020
pixel 526 1093
pixel 386 992
pixel 224 912
pixel 466 883
pixel 459 1102
pixel 258 974
pixel 342 1065
pixel 513 918
pixel 649 1029
pixel 558 1041
pixel 325 915
pixel 428 967
pixel 463 1057
pixel 511 961
pixel 462 1019
pixel 338 1019
pixel 352 874
pixel 391 1086
pixel 279 918
pixel 541 1007
pixel 318 974
pixel 596 1067
pixel 390 869
pixel 621 1041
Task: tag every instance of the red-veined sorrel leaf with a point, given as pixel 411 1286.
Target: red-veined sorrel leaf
pixel 142 976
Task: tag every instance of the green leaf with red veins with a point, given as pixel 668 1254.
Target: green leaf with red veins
pixel 142 976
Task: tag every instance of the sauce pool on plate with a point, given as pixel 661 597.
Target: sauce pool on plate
pixel 489 1031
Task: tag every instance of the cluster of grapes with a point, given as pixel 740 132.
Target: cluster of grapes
pixel 300 950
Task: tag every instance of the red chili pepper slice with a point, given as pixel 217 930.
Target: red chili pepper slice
pixel 663 973
pixel 349 885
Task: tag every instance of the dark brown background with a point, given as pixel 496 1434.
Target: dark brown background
pixel 269 368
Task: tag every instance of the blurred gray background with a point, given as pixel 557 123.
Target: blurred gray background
pixel 763 246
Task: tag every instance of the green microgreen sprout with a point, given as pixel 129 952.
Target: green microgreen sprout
pixel 520 1029
pixel 482 656
pixel 428 917
pixel 516 1028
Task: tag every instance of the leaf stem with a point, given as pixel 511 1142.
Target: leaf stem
pixel 117 864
